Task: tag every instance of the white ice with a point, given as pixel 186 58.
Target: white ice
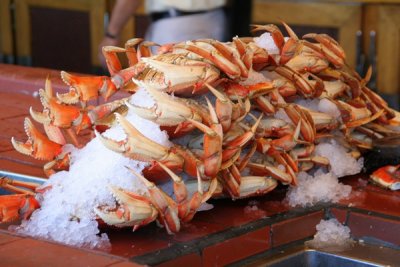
pixel 322 187
pixel 66 214
pixel 331 234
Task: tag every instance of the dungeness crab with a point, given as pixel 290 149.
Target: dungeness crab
pixel 247 135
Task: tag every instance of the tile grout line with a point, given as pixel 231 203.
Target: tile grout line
pixel 196 246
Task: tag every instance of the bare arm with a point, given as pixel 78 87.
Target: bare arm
pixel 121 13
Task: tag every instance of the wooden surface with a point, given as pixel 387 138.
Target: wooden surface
pixel 385 21
pixel 5 29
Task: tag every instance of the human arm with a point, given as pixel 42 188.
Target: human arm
pixel 122 11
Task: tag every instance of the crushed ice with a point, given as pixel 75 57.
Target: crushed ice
pixel 331 235
pixel 66 214
pixel 323 187
pixel 342 163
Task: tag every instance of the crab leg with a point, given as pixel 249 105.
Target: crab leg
pixel 298 115
pixel 209 52
pixel 233 148
pixel 331 49
pixel 301 83
pixel 167 208
pixel 188 207
pixel 256 186
pixel 212 142
pixel 230 53
pixel 137 146
pixel 274 172
pixel 15 185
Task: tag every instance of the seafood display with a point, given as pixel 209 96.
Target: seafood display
pixel 241 118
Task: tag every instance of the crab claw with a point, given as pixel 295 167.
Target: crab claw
pixel 86 88
pixel 166 111
pixel 330 47
pixel 13 207
pixel 139 147
pixel 131 210
pixel 165 205
pixel 387 176
pixel 38 145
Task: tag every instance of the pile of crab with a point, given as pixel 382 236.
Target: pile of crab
pixel 231 110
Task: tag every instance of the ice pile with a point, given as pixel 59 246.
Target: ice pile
pixel 67 214
pixel 265 41
pixel 342 163
pixel 331 235
pixel 322 187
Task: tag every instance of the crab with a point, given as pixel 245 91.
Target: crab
pixel 245 135
pixel 387 177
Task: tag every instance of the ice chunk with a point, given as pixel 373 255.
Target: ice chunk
pixel 341 162
pixel 331 235
pixel 265 41
pixel 314 189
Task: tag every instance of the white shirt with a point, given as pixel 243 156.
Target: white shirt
pixel 183 5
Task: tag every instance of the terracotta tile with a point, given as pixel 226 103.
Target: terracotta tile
pixel 296 228
pixel 385 202
pixel 13 78
pixel 192 260
pixel 237 248
pixel 362 225
pixel 7 238
pixel 125 264
pixel 339 214
pixel 231 213
pixel 127 244
pixel 30 252
pixel 196 229
pixel 13 161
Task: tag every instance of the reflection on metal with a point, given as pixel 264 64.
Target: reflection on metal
pixel 20 177
pixel 358 255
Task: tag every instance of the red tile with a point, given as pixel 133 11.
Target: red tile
pixel 13 161
pixel 339 214
pixel 196 229
pixel 7 238
pixel 30 252
pixel 231 213
pixel 125 264
pixel 362 225
pixel 237 248
pixel 381 201
pixel 127 244
pixel 192 260
pixel 295 229
pixel 27 79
